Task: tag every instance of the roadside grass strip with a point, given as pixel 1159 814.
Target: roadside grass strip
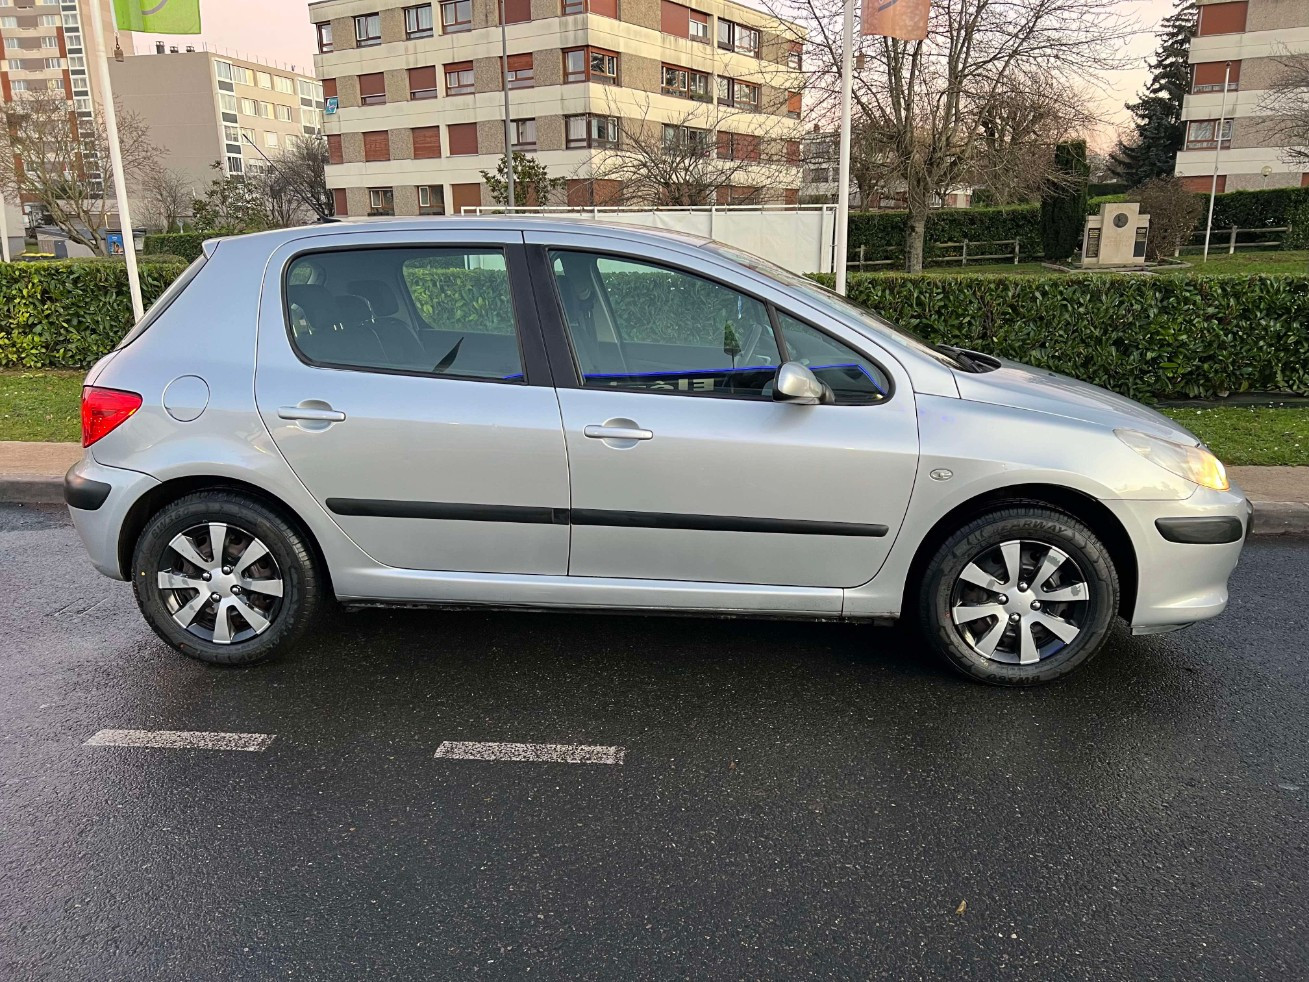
pixel 540 753
pixel 181 740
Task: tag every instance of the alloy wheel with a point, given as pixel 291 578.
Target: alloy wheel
pixel 1020 601
pixel 220 583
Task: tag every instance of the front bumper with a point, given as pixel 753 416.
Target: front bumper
pixel 101 526
pixel 1185 552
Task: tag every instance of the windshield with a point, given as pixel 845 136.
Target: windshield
pixel 822 296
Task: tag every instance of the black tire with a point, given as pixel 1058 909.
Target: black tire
pixel 1039 527
pixel 302 581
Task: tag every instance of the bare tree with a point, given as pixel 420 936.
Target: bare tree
pixel 303 168
pixel 1287 105
pixel 925 102
pixel 709 153
pixel 61 163
pixel 166 195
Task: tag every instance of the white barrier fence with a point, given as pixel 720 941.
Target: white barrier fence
pixel 799 238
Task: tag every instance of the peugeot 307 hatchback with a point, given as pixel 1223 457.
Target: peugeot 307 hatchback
pixel 504 412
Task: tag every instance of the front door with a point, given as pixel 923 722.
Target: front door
pixel 402 378
pixel 682 465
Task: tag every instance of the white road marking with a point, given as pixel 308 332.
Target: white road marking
pixel 547 753
pixel 181 740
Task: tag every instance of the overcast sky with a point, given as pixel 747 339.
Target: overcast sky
pixel 279 30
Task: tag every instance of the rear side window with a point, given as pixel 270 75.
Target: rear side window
pixel 426 311
pixel 165 301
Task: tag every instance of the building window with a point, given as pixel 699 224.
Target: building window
pixel 737 37
pixel 427 142
pixel 1222 18
pixel 227 102
pixel 418 21
pixel 1200 134
pixel 368 30
pixel 334 153
pixel 698 27
pixel 235 165
pixel 605 8
pixel 459 78
pixel 270 140
pixel 372 89
pixel 1208 76
pixel 456 16
pixel 247 134
pixel 231 134
pixel 733 92
pixel 795 57
pixel 794 103
pixel 422 82
pixel 685 138
pixel 431 199
pixel 249 107
pixel 381 201
pixel 284 85
pixel 521 73
pixel 590 65
pixel 461 138
pixel 339 202
pixel 737 146
pixel 517 11
pixel 589 130
pixel 377 145
pixel 524 134
pixel 264 79
pixel 685 84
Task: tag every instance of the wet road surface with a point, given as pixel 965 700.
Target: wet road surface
pixel 790 800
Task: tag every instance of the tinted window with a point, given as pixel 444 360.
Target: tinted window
pixel 853 378
pixel 635 325
pixel 428 311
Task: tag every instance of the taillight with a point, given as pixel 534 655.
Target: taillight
pixel 103 410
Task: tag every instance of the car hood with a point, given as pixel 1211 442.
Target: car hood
pixel 1025 387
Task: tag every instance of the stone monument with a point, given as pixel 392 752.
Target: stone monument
pixel 1116 236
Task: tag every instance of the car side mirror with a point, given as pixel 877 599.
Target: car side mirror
pixel 796 384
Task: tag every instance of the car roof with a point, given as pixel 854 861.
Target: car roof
pixel 633 233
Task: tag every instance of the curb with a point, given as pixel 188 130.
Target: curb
pixel 1270 517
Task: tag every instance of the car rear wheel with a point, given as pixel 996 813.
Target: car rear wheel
pixel 225 579
pixel 1019 596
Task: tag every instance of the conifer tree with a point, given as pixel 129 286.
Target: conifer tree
pixel 1151 151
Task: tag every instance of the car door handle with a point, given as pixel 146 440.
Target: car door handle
pixel 310 413
pixel 599 432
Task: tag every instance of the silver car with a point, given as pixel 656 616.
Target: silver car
pixel 533 414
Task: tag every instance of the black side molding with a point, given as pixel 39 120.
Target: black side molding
pixel 380 508
pixel 721 523
pixel 1214 530
pixel 84 493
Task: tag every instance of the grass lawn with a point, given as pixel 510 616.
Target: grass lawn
pixel 42 406
pixel 1288 261
pixel 1242 435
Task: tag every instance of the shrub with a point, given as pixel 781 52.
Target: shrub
pixel 1298 219
pixel 184 244
pixel 66 314
pixel 1174 212
pixel 1270 208
pixel 1146 337
pixel 881 233
pixel 1063 203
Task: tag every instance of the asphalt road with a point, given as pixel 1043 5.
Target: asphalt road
pixel 795 800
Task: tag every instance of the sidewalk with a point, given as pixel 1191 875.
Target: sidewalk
pixel 33 473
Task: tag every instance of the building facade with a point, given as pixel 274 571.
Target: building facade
pixel 1252 35
pixel 203 107
pixel 416 98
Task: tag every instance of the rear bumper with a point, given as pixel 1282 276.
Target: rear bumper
pixel 1185 552
pixel 99 499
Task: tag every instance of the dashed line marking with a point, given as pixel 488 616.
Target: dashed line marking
pixel 540 753
pixel 181 740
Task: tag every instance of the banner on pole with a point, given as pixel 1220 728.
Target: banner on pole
pixel 903 19
pixel 158 16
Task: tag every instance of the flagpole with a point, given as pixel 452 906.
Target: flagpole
pixel 101 55
pixel 843 169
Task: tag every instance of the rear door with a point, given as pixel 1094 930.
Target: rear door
pixel 403 378
pixel 682 465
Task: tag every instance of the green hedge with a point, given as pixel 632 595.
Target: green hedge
pixel 66 314
pixel 1143 336
pixel 882 232
pixel 184 244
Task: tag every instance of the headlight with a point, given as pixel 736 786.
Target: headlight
pixel 1195 464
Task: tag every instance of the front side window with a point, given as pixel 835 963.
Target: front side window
pixel 638 326
pixel 854 379
pixel 427 311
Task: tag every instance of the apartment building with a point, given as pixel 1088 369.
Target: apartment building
pixel 820 151
pixel 43 49
pixel 205 107
pixel 415 97
pixel 1252 35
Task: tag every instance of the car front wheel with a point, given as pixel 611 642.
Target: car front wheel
pixel 1019 596
pixel 225 579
